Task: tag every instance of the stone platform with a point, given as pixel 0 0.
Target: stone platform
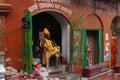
pixel 108 75
pixel 95 70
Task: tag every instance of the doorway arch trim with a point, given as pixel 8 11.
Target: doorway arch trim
pixel 41 7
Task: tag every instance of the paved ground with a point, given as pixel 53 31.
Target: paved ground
pixel 66 76
pixel 60 74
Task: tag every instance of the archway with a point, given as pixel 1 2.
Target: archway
pixel 93 27
pixel 59 28
pixel 115 40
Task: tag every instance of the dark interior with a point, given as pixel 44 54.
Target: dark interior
pixel 40 21
pixel 92 37
pixel 44 19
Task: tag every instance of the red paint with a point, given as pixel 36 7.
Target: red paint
pixel 77 69
pixel 110 75
pixel 13 26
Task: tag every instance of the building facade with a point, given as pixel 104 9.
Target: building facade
pixel 74 24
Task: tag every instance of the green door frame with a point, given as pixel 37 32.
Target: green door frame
pixel 27 42
pixel 84 54
pixel 71 35
pixel 100 46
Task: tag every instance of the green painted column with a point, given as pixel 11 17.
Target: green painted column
pixel 30 54
pixel 100 46
pixel 27 42
pixel 26 48
pixel 23 50
pixel 84 55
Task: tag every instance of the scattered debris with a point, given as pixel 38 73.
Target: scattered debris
pixel 2 71
pixel 39 73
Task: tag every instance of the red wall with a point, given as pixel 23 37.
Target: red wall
pixel 13 25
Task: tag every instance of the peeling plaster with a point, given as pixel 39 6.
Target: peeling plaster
pixel 8 59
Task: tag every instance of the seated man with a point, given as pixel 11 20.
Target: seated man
pixel 49 49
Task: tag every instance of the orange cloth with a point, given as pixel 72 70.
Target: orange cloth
pixel 46 31
pixel 48 47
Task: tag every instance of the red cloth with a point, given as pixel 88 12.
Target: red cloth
pixel 89 56
pixel 38 66
pixel 114 50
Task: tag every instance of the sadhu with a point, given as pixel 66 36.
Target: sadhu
pixel 49 48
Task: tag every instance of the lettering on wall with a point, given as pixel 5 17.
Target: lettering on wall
pixel 50 6
pixel 47 0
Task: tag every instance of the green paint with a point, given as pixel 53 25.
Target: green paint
pixel 84 54
pixel 23 51
pixel 30 55
pixel 100 46
pixel 27 42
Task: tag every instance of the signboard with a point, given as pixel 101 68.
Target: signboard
pixel 40 6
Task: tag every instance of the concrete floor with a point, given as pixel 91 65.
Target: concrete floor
pixel 61 74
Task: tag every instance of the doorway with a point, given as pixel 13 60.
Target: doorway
pixel 59 29
pixel 92 39
pixel 115 41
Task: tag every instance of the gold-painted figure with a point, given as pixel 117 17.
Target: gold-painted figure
pixel 49 48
